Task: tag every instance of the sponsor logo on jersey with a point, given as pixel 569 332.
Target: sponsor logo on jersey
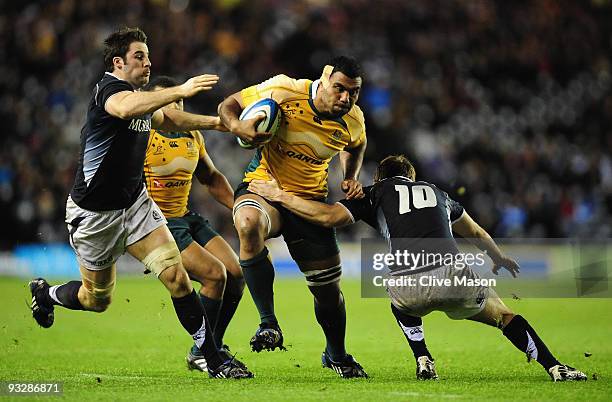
pixel 159 150
pixel 156 215
pixel 337 135
pixel 177 183
pixel 140 125
pixel 304 158
pixel 157 183
pixel 173 144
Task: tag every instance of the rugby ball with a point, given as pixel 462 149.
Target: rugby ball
pixel 273 114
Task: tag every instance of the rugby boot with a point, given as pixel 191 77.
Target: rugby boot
pixel 347 368
pixel 42 309
pixel 425 369
pixel 267 337
pixel 562 372
pixel 229 369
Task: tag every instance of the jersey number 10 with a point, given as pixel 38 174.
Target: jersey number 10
pixel 422 197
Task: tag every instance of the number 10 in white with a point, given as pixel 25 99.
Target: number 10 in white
pixel 422 197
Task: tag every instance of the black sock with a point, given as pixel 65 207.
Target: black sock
pixel 192 316
pixel 520 333
pixel 413 331
pixel 66 295
pixel 333 321
pixel 259 276
pixel 231 299
pixel 212 307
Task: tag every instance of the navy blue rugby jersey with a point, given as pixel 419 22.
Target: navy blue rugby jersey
pixel 110 170
pixel 409 214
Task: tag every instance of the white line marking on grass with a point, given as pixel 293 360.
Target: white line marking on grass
pixel 409 393
pixel 120 377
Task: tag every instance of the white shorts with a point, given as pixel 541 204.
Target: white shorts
pixel 457 301
pixel 99 238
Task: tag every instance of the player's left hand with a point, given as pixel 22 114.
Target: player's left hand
pixel 352 188
pixel 508 263
pixel 267 189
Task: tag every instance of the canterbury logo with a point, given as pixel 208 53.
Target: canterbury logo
pixel 415 331
pixel 173 144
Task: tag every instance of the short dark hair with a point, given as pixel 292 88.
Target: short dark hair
pixel 346 65
pixel 162 81
pixel 394 165
pixel 118 43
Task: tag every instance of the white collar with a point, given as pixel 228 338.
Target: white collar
pixel 313 88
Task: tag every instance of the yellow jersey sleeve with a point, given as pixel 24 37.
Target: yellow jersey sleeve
pixel 199 137
pixel 280 88
pixel 356 127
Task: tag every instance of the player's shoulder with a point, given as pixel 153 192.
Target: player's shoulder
pixel 109 85
pixel 198 136
pixel 110 79
pixel 356 114
pixel 355 122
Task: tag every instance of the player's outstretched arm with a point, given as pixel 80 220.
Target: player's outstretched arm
pixel 316 212
pixel 469 229
pixel 351 161
pixel 229 110
pixel 171 119
pixel 128 105
pixel 217 183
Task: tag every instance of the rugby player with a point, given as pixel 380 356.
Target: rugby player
pixel 109 211
pixel 405 212
pixel 171 161
pixel 321 120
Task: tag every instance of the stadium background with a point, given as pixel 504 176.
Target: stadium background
pixel 506 106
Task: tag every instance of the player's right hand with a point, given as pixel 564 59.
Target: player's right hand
pixel 267 189
pixel 197 84
pixel 245 129
pixel 508 263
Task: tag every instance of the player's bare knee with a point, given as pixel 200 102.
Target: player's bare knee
pixel 250 227
pixel 216 277
pixel 176 280
pixel 251 220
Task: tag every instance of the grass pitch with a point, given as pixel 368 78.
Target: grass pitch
pixel 136 351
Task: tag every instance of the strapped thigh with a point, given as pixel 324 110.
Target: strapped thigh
pixel 98 289
pixel 162 258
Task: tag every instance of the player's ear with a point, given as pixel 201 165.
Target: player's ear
pixel 118 62
pixel 327 72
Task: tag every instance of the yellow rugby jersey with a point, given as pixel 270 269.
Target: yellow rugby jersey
pixel 299 154
pixel 170 161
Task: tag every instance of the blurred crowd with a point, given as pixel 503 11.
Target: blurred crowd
pixel 505 105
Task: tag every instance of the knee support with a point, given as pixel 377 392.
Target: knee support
pixel 99 291
pixel 323 276
pixel 162 258
pixel 253 204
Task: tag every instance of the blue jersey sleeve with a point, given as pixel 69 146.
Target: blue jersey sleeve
pixel 456 209
pixel 363 208
pixel 106 90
